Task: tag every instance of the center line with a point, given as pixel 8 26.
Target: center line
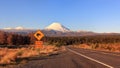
pixel 90 58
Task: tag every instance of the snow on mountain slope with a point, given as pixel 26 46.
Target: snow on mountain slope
pixel 19 28
pixel 8 28
pixel 16 28
pixel 57 27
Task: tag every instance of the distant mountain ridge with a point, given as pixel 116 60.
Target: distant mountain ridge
pixel 16 28
pixel 55 29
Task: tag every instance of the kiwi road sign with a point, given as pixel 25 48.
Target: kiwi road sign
pixel 38 35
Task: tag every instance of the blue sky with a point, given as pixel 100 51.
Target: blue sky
pixel 91 15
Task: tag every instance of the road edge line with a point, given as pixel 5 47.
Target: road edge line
pixel 90 58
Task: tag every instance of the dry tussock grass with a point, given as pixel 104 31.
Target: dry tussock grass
pixel 109 47
pixel 8 56
pixel 84 46
pixel 113 47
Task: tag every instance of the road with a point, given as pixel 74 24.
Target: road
pixel 76 58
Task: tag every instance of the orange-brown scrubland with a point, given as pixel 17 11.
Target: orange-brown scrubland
pixel 10 56
pixel 113 47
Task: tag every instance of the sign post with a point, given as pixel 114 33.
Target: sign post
pixel 38 35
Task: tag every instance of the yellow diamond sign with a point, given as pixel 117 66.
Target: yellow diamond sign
pixel 38 35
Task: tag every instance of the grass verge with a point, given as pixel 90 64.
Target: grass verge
pixel 112 47
pixel 21 55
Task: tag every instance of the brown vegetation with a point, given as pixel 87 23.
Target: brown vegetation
pixel 14 39
pixel 8 56
pixel 22 42
pixel 113 47
pixel 9 39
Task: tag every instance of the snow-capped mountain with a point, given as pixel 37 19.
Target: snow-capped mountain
pixel 16 28
pixel 8 28
pixel 19 28
pixel 57 27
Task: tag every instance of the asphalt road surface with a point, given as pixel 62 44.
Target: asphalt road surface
pixel 76 58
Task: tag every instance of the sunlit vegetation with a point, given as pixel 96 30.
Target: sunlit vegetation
pixel 113 47
pixel 99 39
pixel 12 39
pixel 11 56
pixel 99 42
pixel 16 46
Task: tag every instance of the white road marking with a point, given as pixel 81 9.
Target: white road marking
pixel 90 58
